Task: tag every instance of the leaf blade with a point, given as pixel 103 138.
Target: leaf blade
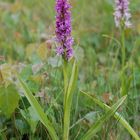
pixel 9 99
pixel 68 100
pixel 38 109
pixel 116 115
pixel 97 126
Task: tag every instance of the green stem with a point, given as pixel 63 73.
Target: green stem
pixel 66 121
pixel 123 86
pixel 14 127
pixel 66 80
pixel 66 110
pixel 123 47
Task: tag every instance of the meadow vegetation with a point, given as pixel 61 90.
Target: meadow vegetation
pixel 43 97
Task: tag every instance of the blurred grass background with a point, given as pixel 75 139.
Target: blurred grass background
pixel 26 22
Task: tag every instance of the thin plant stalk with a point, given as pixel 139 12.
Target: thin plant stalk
pixel 122 17
pixel 123 52
pixel 66 79
pixel 123 46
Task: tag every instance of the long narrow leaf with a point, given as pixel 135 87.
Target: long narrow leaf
pixel 68 100
pixel 116 115
pixel 38 109
pixel 98 125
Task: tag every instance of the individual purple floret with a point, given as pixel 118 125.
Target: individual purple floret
pixel 122 13
pixel 60 50
pixel 63 29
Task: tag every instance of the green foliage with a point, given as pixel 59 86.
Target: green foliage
pixel 116 115
pixel 27 47
pixel 68 95
pixel 9 99
pixel 39 111
pixel 31 117
pixel 22 126
pixel 98 125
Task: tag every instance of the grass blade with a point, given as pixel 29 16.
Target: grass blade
pixel 116 115
pixel 38 109
pixel 98 125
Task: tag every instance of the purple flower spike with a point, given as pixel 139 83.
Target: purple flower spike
pixel 63 29
pixel 122 13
